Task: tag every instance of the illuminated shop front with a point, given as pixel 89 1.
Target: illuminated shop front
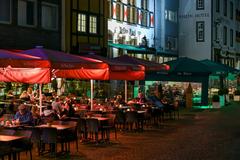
pixel 131 28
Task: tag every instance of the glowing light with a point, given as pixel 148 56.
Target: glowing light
pixel 167 67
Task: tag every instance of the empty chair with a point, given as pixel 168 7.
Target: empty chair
pixel 5 150
pixel 49 136
pixel 120 120
pixel 36 137
pixel 93 128
pixel 82 129
pixel 23 145
pixel 132 119
pixel 147 116
pixel 70 134
pixel 110 125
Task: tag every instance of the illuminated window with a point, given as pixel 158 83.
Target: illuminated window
pixel 131 14
pixel 27 12
pixel 200 4
pixel 49 16
pixel 144 4
pixel 5 11
pixel 81 22
pixel 144 18
pixel 166 14
pixel 172 16
pixel 119 11
pixel 93 24
pixel 200 31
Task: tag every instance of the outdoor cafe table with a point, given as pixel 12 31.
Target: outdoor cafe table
pixel 7 138
pixel 57 126
pixel 14 126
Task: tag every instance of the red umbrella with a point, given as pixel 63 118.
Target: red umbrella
pixel 120 70
pixel 65 65
pixel 149 66
pixel 17 67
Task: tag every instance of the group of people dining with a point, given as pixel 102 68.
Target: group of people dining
pixel 60 108
pixel 25 110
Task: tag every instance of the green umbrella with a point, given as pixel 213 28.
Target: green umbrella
pixel 218 68
pixel 184 65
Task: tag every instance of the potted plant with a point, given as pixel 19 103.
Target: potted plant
pixel 236 95
pixel 215 101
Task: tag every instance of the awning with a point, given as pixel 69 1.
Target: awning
pixel 218 68
pixel 120 70
pixel 187 66
pixel 65 65
pixel 131 48
pixel 149 66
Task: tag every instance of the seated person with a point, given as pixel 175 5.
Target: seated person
pixel 24 96
pixel 35 112
pixel 49 115
pixel 23 115
pixel 10 95
pixel 68 108
pixel 56 106
pixel 157 102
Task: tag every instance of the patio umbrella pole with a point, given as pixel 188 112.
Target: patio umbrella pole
pixel 40 98
pixel 91 98
pixel 126 91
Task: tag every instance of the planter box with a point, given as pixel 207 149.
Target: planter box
pixel 236 98
pixel 215 104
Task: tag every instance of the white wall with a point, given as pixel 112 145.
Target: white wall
pixel 160 25
pixel 114 27
pixel 188 16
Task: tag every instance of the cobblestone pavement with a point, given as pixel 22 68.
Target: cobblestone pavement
pixel 197 135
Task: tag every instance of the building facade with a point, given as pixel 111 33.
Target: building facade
pixel 166 29
pixel 210 30
pixel 25 24
pixel 131 26
pixel 84 26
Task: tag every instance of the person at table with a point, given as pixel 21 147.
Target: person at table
pixel 35 112
pixel 10 95
pixel 56 106
pixel 141 98
pixel 49 115
pixel 23 115
pixel 24 96
pixel 68 108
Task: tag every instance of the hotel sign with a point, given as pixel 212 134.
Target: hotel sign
pixel 197 15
